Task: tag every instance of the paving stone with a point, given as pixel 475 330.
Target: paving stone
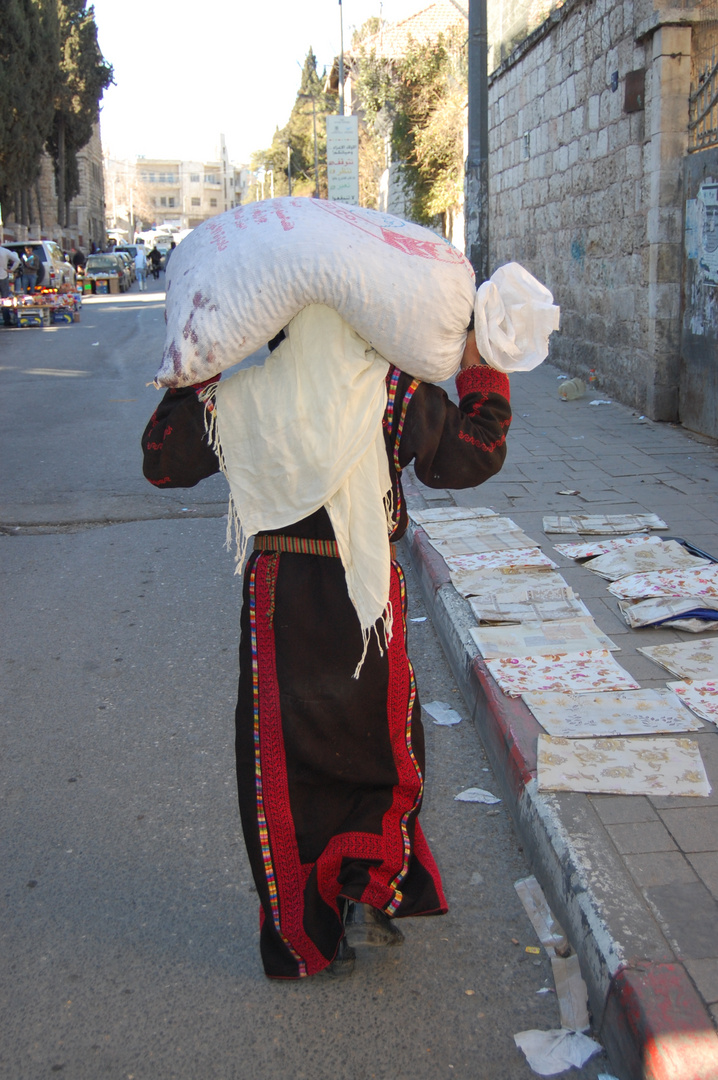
pixel 641 836
pixel 690 916
pixel 705 975
pixel 650 869
pixel 693 830
pixel 623 809
pixel 705 864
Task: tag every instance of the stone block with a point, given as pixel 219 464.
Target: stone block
pixel 705 975
pixel 695 830
pixel 650 869
pixel 672 41
pixel 689 914
pixel 594 106
pixel 705 865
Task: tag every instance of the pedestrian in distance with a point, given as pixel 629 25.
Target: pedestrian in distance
pixel 31 265
pixel 167 254
pixel 9 263
pixel 329 740
pixel 141 266
pixel 155 258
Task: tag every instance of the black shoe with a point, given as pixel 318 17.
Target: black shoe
pixel 365 925
pixel 343 963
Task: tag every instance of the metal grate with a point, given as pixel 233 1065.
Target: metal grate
pixel 703 121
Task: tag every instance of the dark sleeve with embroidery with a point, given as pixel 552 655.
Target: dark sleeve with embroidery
pixel 174 443
pixel 455 446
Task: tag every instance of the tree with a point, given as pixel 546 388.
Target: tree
pixel 81 77
pixel 29 57
pixel 298 135
pixel 419 102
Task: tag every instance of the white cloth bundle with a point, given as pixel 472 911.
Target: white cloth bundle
pixel 241 277
pixel 514 317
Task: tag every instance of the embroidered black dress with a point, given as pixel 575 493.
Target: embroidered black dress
pixel 330 768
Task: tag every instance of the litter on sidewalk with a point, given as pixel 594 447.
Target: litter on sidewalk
pixel 686 659
pixel 636 712
pixel 601 524
pixel 552 1052
pixel 633 766
pixel 477 795
pixel 441 713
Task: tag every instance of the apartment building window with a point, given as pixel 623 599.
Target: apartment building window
pixel 170 201
pixel 212 202
pixel 196 202
pixel 163 200
pixel 152 178
pixel 194 178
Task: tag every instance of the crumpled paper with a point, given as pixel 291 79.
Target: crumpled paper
pixel 551 1052
pixel 441 713
pixel 477 794
pixel 514 316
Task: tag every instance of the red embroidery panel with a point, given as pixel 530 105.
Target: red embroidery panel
pixel 482 380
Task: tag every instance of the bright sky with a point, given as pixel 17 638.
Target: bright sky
pixel 188 71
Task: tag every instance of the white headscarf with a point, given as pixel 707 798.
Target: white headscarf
pixel 305 431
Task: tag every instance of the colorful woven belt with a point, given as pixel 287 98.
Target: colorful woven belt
pixel 297 545
pixel 300 545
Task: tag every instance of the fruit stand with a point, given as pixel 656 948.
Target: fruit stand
pixel 44 307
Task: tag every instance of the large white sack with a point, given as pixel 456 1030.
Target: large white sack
pixel 240 277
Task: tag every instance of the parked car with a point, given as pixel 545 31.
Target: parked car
pixel 105 266
pixel 57 270
pixel 131 249
pixel 129 262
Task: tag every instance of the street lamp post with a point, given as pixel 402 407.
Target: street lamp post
pixel 477 163
pixel 341 60
pixel 289 168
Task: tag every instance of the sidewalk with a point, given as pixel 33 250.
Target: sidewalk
pixel 634 880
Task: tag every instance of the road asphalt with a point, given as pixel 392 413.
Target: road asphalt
pixel 633 879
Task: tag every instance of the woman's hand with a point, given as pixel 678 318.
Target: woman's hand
pixel 471 355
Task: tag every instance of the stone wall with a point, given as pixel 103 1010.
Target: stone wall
pixel 586 188
pixel 87 210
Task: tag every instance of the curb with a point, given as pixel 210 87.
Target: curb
pixel 646 1012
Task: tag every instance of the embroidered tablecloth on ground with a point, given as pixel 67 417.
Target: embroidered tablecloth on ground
pixel 635 766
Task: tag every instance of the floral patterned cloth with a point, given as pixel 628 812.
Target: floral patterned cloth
pixel 645 559
pixel 601 547
pixel 637 766
pixel 700 695
pixel 636 712
pixel 686 659
pixel 703 581
pixel 577 672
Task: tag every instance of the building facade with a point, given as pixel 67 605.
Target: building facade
pixel 176 192
pixel 86 219
pixel 588 143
